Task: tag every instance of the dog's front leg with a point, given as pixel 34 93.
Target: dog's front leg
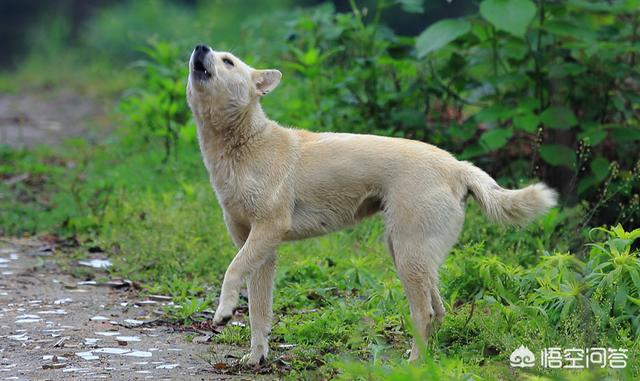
pixel 260 286
pixel 260 245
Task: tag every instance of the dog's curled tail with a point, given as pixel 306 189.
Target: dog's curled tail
pixel 505 205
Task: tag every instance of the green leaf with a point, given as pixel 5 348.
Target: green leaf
pixel 495 138
pixel 526 122
pixel 556 154
pixel 527 105
pixel 586 183
pixel 634 300
pixel 491 114
pixel 310 58
pixel 462 132
pixel 512 16
pixel 472 151
pixel 566 28
pixel 559 117
pixel 409 118
pixel 440 34
pixel 600 168
pixel 593 137
pixel 599 6
pixel 411 6
pixel 625 133
pixel 564 69
pixel 621 297
pixel 635 277
pixel 514 49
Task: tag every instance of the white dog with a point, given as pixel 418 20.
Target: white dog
pixel 277 184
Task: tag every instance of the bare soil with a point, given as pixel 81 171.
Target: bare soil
pixel 53 327
pixel 50 117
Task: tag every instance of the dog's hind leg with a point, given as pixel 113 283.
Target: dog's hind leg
pixel 419 238
pixel 418 275
pixel 436 300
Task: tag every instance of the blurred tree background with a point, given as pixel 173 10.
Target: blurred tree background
pixel 20 21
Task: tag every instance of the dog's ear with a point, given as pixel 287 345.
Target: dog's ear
pixel 265 80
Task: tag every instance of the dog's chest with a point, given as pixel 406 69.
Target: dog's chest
pixel 239 189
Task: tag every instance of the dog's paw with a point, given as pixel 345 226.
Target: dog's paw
pixel 221 320
pixel 253 358
pixel 222 316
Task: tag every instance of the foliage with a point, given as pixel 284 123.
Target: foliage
pixel 613 279
pixel 158 105
pixel 542 87
pixel 350 71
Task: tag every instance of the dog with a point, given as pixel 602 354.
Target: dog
pixel 278 184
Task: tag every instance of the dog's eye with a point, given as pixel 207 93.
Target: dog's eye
pixel 227 61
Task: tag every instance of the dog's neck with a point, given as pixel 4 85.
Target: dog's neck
pixel 230 133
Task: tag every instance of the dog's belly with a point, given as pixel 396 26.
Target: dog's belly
pixel 317 218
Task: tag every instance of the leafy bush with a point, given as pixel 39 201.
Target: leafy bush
pixel 613 279
pixel 603 291
pixel 354 81
pixel 158 106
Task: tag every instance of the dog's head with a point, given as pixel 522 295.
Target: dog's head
pixel 222 82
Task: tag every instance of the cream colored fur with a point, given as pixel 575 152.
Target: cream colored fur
pixel 277 184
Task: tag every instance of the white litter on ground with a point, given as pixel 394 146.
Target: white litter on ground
pixel 96 263
pixel 59 311
pixel 138 354
pixel 112 351
pixel 26 321
pixel 21 337
pixel 79 370
pixel 87 356
pixel 127 338
pixel 167 366
pixel 27 316
pixel 63 301
pixel 134 322
pixel 107 333
pixel 50 357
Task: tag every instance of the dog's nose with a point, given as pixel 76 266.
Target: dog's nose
pixel 201 49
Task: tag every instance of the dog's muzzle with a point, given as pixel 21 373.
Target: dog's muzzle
pixel 199 69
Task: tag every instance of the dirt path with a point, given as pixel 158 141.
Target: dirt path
pixel 50 117
pixel 53 327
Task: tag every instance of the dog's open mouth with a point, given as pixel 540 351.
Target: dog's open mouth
pixel 199 70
